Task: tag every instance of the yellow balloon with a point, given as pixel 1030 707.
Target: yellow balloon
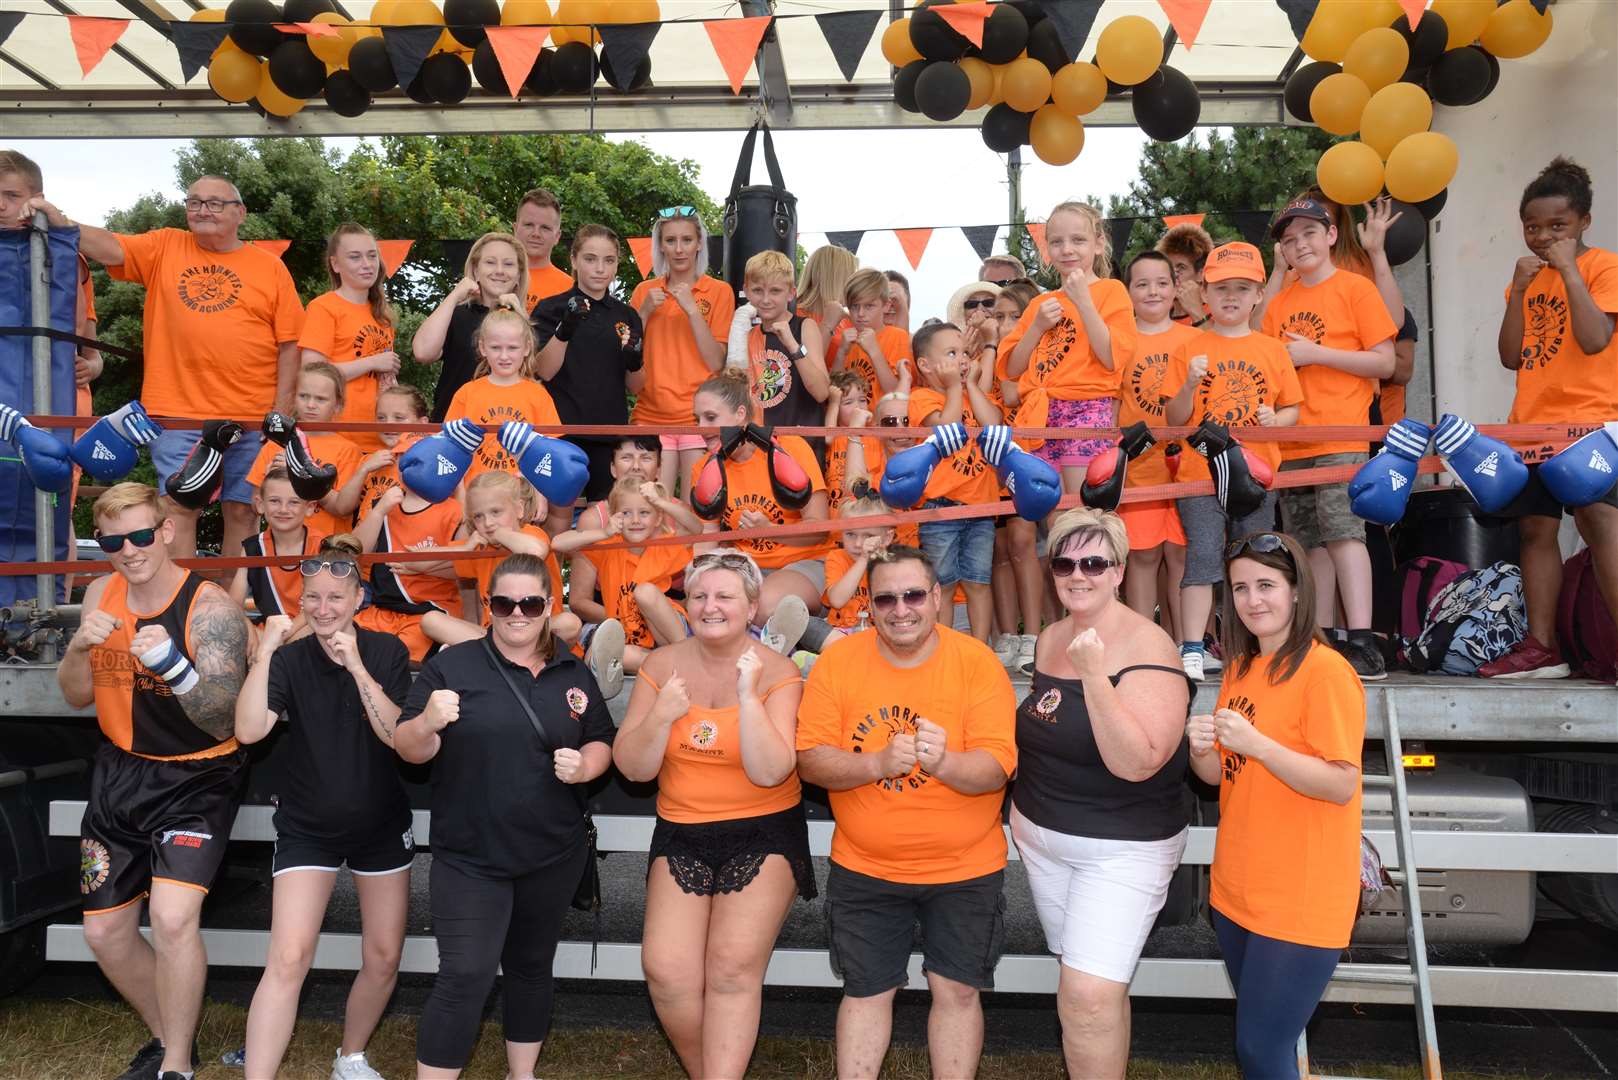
pixel 1516 29
pixel 1378 57
pixel 208 15
pixel 382 13
pixel 234 75
pixel 1335 25
pixel 1338 102
pixel 575 20
pixel 417 13
pixel 1350 172
pixel 1465 19
pixel 896 46
pixel 1129 50
pixel 1078 88
pixel 270 97
pixel 981 76
pixel 526 13
pixel 332 48
pixel 1056 136
pixel 1379 13
pixel 1027 84
pixel 1421 166
pixel 998 95
pixel 1393 114
pixel 636 11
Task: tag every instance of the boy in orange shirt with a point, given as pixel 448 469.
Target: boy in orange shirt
pixel 319 397
pixel 1336 328
pixel 277 590
pixel 869 346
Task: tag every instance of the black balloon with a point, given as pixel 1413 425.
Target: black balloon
pixel 297 11
pixel 345 95
pixel 296 71
pixel 1416 75
pixel 1494 72
pixel 486 68
pixel 467 18
pixel 1167 105
pixel 942 91
pixel 904 85
pixel 574 68
pixel 369 63
pixel 446 79
pixel 1302 83
pixel 1032 10
pixel 1426 41
pixel 540 81
pixel 250 25
pixel 1429 208
pixel 934 38
pixel 1005 35
pixel 1406 235
pixel 1005 129
pixel 1045 45
pixel 1460 77
pixel 418 89
pixel 637 78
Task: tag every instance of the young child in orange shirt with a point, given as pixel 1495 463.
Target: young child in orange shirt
pixel 847 596
pixel 868 346
pixel 847 405
pixel 351 327
pixel 319 397
pixel 277 590
pixel 399 404
pixel 503 387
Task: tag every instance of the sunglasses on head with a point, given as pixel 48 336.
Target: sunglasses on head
pixel 890 421
pixel 677 212
pixel 726 559
pixel 340 568
pixel 532 607
pixel 973 305
pixel 1088 565
pixel 1262 543
pixel 141 538
pixel 886 601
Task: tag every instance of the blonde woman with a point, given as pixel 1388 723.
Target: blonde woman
pixel 496 275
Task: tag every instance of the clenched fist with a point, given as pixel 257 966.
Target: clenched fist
pixel 94 629
pixel 569 765
pixel 443 709
pixel 931 744
pixel 898 758
pixel 672 701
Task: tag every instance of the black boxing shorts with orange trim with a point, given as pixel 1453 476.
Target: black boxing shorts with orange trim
pixel 155 820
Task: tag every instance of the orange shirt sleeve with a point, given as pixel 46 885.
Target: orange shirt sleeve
pixel 267 453
pixel 721 309
pixel 1334 719
pixel 1372 322
pixel 319 332
pixel 142 254
pixel 1118 312
pixel 1288 391
pixel 820 718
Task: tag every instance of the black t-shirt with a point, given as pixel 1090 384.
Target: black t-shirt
pixel 344 783
pixel 498 809
pixel 460 358
pixel 589 386
pixel 782 396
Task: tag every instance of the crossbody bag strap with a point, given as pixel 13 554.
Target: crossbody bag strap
pixel 533 717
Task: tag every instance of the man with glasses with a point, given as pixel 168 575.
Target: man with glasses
pixel 1001 268
pixel 538 225
pixel 910 730
pixel 221 328
pixel 161 653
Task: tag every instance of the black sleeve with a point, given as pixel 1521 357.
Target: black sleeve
pixel 546 318
pixel 393 671
pixel 430 679
pixel 280 689
pixel 1407 329
pixel 596 724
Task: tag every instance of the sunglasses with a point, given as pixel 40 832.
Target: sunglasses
pixel 532 607
pixel 973 305
pixel 1262 543
pixel 340 568
pixel 886 601
pixel 890 421
pixel 141 538
pixel 1089 565
pixel 677 212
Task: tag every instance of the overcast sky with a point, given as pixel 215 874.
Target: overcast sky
pixel 843 180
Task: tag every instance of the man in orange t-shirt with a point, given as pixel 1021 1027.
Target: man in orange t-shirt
pixel 538 224
pixel 911 731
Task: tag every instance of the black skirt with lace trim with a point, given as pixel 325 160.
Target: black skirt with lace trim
pixel 714 857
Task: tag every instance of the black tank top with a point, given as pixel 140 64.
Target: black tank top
pixel 386 591
pixel 1064 785
pixel 275 589
pixel 780 392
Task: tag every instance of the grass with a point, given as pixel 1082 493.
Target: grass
pixel 77 1040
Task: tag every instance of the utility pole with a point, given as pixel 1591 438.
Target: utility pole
pixel 1014 186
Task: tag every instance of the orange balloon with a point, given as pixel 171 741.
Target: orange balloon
pixel 1378 57
pixel 1027 84
pixel 1078 88
pixel 417 13
pixel 333 48
pixel 234 75
pixel 208 15
pixel 1393 114
pixel 382 13
pixel 896 46
pixel 576 19
pixel 636 11
pixel 981 76
pixel 1338 102
pixel 1516 29
pixel 1351 172
pixel 1056 136
pixel 1421 166
pixel 1465 19
pixel 1335 25
pixel 1129 50
pixel 270 97
pixel 526 13
pixel 1378 13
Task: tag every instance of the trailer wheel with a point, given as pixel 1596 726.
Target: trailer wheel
pixel 22 956
pixel 1591 896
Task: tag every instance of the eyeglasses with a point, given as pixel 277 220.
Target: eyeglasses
pixel 213 205
pixel 973 305
pixel 677 212
pixel 531 606
pixel 890 421
pixel 340 568
pixel 886 601
pixel 1263 543
pixel 141 538
pixel 1088 565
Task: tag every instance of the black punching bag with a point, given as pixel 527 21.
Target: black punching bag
pixel 758 217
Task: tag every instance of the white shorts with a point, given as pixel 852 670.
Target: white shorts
pixel 1096 899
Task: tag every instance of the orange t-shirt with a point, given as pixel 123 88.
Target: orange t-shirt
pixel 489 406
pixel 548 280
pixel 83 400
pixel 748 487
pixel 326 447
pixel 838 563
pixel 1143 389
pixel 343 331
pixel 1243 373
pixel 619 570
pixel 894 344
pixel 1063 361
pixel 481 570
pixel 213 321
pixel 702 778
pixel 1560 383
pixel 674 367
pixel 964 477
pixel 1343 312
pixel 1287 866
pixel 433 526
pixel 837 466
pixel 913 829
pixel 1392 399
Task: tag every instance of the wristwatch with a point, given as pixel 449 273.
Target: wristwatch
pixel 802 352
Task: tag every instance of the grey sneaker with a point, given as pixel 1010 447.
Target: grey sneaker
pixel 352 1067
pixel 1006 647
pixel 606 658
pixel 786 625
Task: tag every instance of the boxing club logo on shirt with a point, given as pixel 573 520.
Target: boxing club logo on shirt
pixel 370 340
pixel 1146 383
pixel 1053 347
pixel 701 737
pixel 94 865
pixel 876 730
pixel 577 701
pixel 774 377
pixel 1231 763
pixel 1305 324
pixel 209 288
pixel 1544 327
pixel 1233 390
pixel 764 505
pixel 1045 708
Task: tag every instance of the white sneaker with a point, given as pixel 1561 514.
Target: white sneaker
pixel 786 625
pixel 352 1067
pixel 1025 653
pixel 1193 664
pixel 606 658
pixel 1006 647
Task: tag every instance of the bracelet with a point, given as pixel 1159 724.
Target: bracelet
pixel 169 664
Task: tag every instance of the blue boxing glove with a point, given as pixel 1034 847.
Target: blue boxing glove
pixel 109 449
pixel 1584 472
pixel 904 481
pixel 558 470
pixel 1381 489
pixel 1489 469
pixel 434 465
pixel 1035 486
pixel 44 456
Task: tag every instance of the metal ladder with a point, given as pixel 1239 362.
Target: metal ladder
pixel 1417 978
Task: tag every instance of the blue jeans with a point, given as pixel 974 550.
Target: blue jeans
pixel 1277 984
pixel 170 449
pixel 960 550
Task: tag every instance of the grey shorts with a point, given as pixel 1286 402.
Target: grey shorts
pixel 1320 515
pixel 813 569
pixel 1207 530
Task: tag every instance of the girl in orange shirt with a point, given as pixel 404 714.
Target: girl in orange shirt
pixel 503 387
pixel 820 292
pixel 1284 750
pixel 352 326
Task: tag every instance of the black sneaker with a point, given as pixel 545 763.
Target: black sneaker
pixel 145 1063
pixel 1365 657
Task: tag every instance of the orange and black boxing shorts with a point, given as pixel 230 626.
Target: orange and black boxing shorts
pixel 151 820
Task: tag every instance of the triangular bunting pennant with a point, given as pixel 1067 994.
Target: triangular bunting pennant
pixel 394 253
pixel 847 33
pixel 277 248
pixel 625 46
pixel 640 247
pixel 1118 229
pixel 1299 13
pixel 1413 10
pixel 93 37
pixel 1186 17
pixel 1036 233
pixel 517 47
pixel 456 253
pixel 1171 220
pixel 1254 225
pixel 966 19
pixel 317 29
pixel 914 242
pixel 849 240
pixel 196 42
pixel 1073 19
pixel 1540 5
pixel 981 237
pixel 735 42
pixel 8 23
pixel 408 46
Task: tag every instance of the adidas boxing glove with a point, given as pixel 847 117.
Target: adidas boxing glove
pixel 434 465
pixel 904 480
pixel 1584 472
pixel 1034 484
pixel 710 492
pixel 1241 478
pixel 44 457
pixel 558 470
pixel 1492 472
pixel 1381 489
pixel 110 448
pixel 1103 487
pixel 195 483
pixel 790 485
pixel 310 479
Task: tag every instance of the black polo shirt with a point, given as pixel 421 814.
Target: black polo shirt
pixel 344 781
pixel 589 387
pixel 460 358
pixel 498 809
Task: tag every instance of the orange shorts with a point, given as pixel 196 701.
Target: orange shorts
pixel 1152 523
pixel 407 628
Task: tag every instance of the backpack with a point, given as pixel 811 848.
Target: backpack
pixel 1418 581
pixel 1474 619
pixel 1584 622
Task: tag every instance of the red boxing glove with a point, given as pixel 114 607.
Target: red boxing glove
pixel 1259 469
pixel 710 491
pixel 1171 459
pixel 1104 480
pixel 789 483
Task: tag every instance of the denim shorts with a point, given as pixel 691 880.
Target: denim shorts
pixel 171 448
pixel 960 550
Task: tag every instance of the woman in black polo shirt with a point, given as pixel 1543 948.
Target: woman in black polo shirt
pixel 508 832
pixel 341 689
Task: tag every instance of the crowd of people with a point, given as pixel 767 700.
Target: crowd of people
pixel 835 658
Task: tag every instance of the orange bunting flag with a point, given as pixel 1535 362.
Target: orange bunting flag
pixel 1186 17
pixel 517 47
pixel 394 253
pixel 966 19
pixel 1172 220
pixel 735 42
pixel 1036 231
pixel 93 38
pixel 277 248
pixel 1413 10
pixel 914 242
pixel 317 29
pixel 640 247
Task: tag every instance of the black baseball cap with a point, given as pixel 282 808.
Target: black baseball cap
pixel 1299 208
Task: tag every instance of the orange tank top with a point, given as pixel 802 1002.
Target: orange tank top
pixel 702 778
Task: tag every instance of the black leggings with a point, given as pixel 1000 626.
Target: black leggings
pixel 512 923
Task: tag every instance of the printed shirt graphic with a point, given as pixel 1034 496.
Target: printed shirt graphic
pixel 748 486
pixel 489 406
pixel 964 477
pixel 674 368
pixel 550 280
pixel 343 331
pixel 1063 362
pixel 702 778
pixel 913 828
pixel 481 570
pixel 620 570
pixel 326 448
pixel 1145 385
pixel 1343 312
pixel 1243 373
pixel 1559 382
pixel 895 346
pixel 1285 865
pixel 212 323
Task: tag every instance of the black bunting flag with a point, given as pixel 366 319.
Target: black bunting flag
pixel 1073 19
pixel 1298 12
pixel 624 46
pixel 1119 229
pixel 1254 225
pixel 195 42
pixel 847 33
pixel 407 47
pixel 848 240
pixel 981 237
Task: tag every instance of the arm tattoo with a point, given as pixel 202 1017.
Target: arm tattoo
pixel 382 727
pixel 219 639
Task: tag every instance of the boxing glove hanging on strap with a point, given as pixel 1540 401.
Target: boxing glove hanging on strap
pixel 1489 469
pixel 44 456
pixel 195 483
pixel 789 483
pixel 904 480
pixel 1035 485
pixel 1103 487
pixel 110 448
pixel 1380 491
pixel 1585 472
pixel 1241 478
pixel 710 492
pixel 434 465
pixel 311 479
pixel 558 470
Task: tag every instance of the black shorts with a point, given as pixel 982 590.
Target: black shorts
pixel 386 851
pixel 155 821
pixel 871 924
pixel 725 856
pixel 1535 501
